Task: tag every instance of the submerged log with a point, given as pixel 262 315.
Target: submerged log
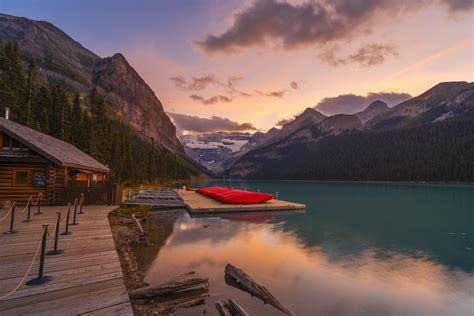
pixel 222 308
pixel 138 224
pixel 186 301
pixel 236 309
pixel 170 307
pixel 174 287
pixel 241 280
pixel 231 308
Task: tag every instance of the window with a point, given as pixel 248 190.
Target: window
pixel 5 141
pixel 21 177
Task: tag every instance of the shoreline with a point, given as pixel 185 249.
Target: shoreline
pixel 421 183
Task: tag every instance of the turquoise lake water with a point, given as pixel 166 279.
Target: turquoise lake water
pixel 359 249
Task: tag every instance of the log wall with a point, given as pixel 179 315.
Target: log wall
pixel 20 194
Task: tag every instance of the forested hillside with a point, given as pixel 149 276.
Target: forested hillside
pixel 88 122
pixel 441 151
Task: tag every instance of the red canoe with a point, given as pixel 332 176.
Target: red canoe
pixel 232 196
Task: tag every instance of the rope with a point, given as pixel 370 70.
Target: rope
pixel 53 232
pixel 40 195
pixel 27 204
pixel 27 271
pixel 9 211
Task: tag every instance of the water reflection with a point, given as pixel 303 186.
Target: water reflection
pixel 332 276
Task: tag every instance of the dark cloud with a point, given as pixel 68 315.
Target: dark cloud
pixel 373 54
pixel 195 84
pixel 368 55
pixel 294 85
pixel 276 94
pixel 315 22
pixel 351 103
pixel 210 101
pixel 179 82
pixel 455 6
pixel 213 124
pixel 229 86
pixel 201 83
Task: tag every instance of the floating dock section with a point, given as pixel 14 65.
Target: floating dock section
pixel 199 204
pixel 163 198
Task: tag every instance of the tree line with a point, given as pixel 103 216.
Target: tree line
pixel 438 152
pixel 87 122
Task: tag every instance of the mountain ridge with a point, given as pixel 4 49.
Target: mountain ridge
pixel 61 59
pixel 307 141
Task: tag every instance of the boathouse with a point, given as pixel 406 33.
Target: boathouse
pixel 32 162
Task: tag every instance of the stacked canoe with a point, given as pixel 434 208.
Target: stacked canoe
pixel 232 196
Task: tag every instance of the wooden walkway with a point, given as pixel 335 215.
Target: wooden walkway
pixel 200 204
pixel 87 277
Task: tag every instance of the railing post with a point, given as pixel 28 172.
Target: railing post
pixel 55 251
pixel 38 212
pixel 74 221
pixel 12 221
pixel 81 199
pixel 67 232
pixel 28 215
pixel 41 279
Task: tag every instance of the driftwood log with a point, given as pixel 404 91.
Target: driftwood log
pixel 241 280
pixel 138 224
pixel 174 287
pixel 185 302
pixel 236 309
pixel 231 308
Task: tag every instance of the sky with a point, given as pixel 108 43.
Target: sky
pixel 247 65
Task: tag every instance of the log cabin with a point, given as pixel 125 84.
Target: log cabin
pixel 32 162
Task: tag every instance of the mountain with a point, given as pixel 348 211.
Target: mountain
pixel 427 138
pixel 216 151
pixel 445 100
pixel 308 117
pixel 65 61
pixel 374 109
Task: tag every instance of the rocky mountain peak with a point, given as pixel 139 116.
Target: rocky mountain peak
pixel 336 124
pixel 313 113
pixel 377 104
pixel 374 109
pixel 62 59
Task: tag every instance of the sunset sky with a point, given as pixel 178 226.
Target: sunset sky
pixel 250 64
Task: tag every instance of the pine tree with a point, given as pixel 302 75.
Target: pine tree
pixel 41 108
pixel 29 92
pixel 76 121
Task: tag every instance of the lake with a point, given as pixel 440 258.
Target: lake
pixel 360 249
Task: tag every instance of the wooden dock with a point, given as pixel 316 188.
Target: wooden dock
pixel 200 204
pixel 87 276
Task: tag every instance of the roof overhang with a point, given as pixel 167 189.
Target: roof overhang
pixel 46 155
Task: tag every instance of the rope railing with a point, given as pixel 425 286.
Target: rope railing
pixel 8 212
pixel 28 204
pixel 38 199
pixel 45 229
pixel 41 279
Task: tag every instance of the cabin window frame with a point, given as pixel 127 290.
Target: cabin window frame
pixel 14 177
pixel 6 145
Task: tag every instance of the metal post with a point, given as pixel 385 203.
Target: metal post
pixel 67 232
pixel 81 202
pixel 28 216
pixel 12 221
pixel 38 212
pixel 74 222
pixel 55 251
pixel 41 279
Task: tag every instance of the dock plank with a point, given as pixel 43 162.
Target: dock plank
pixel 200 204
pixel 87 277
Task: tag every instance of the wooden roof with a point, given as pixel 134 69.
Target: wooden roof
pixel 55 150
